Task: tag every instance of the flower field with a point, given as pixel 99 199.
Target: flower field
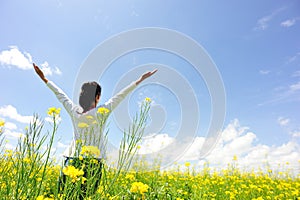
pixel 28 172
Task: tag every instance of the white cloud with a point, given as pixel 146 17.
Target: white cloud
pixel 12 113
pixel 241 143
pixel 50 119
pixel 237 140
pixel 23 60
pixel 284 149
pixel 263 23
pixel 296 134
pixel 48 71
pixel 296 74
pixel 287 93
pixel 12 134
pixel 61 145
pixel 10 126
pixel 9 146
pixel 134 13
pixel 256 156
pixel 293 58
pixel 154 143
pixel 294 87
pixel 264 72
pixel 231 132
pixel 193 151
pixel 283 121
pixel 252 155
pixel 14 57
pixel 288 23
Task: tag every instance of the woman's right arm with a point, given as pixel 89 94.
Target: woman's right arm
pixel 61 96
pixel 40 73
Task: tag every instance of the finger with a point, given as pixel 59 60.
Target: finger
pixel 153 72
pixel 35 66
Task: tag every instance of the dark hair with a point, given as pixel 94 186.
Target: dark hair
pixel 89 92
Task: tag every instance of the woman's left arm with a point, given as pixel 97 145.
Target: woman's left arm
pixel 116 99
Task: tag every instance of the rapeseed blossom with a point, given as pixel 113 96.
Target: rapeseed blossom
pixel 90 151
pixel 103 111
pixel 129 177
pixel 139 187
pixel 235 158
pixel 89 117
pixel 73 173
pixel 41 197
pixel 82 125
pixel 148 100
pixel 53 111
pixel 187 164
pixel 2 123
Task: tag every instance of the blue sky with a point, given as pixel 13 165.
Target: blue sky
pixel 255 46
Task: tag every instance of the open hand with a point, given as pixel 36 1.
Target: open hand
pixel 145 75
pixel 40 73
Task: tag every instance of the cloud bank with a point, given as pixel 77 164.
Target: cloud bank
pixel 13 57
pixel 236 141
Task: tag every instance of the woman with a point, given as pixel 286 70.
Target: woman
pixel 89 98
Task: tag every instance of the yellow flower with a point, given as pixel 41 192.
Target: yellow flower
pixel 139 187
pixel 94 161
pixel 79 141
pixel 89 117
pixel 103 111
pixel 26 160
pixel 41 197
pixel 83 179
pixel 129 176
pixel 2 123
pixel 53 111
pixel 148 100
pixel 83 125
pixel 90 151
pixel 73 173
pixel 234 158
pixel 187 164
pixel 39 179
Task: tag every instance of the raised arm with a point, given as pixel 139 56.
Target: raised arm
pixel 116 100
pixel 145 76
pixel 40 73
pixel 61 96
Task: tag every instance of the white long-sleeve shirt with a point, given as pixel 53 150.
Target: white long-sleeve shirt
pixel 95 137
